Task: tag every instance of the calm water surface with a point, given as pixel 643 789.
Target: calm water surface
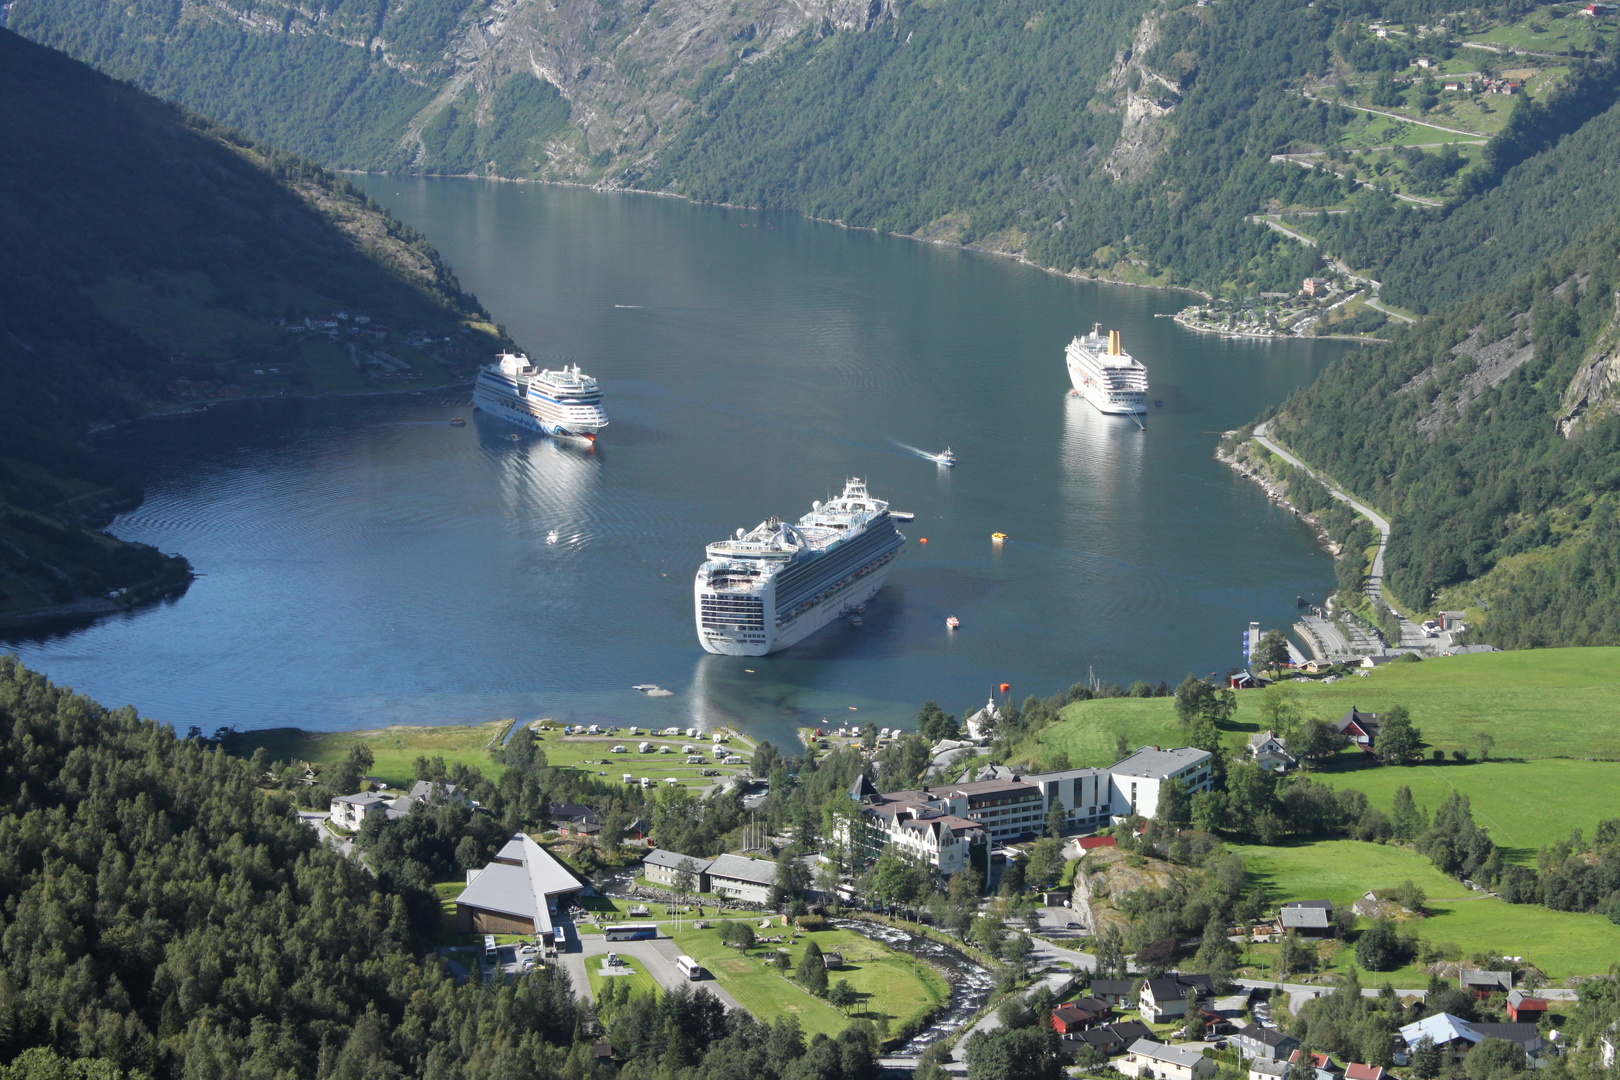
pixel 362 562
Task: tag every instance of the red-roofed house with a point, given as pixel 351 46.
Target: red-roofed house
pixel 1524 1009
pixel 1079 1015
pixel 1355 1070
pixel 1089 842
pixel 1304 1065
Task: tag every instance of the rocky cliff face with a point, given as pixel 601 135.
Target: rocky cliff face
pixel 1107 873
pixel 1592 393
pixel 1146 98
pixel 627 69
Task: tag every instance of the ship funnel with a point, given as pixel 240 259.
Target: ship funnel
pixel 1114 348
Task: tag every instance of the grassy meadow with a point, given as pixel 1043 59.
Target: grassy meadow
pixel 1561 943
pixel 1524 804
pixel 396 748
pixel 894 987
pixel 1535 704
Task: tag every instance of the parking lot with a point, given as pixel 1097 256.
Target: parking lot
pixel 657 955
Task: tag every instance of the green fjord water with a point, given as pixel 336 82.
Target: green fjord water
pixel 362 562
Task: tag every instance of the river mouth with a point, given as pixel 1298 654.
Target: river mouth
pixel 971 984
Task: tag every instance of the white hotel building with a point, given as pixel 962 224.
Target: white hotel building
pixel 940 824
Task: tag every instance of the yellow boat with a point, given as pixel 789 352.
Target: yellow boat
pixel 998 537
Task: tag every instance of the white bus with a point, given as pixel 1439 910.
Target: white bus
pixel 690 968
pixel 630 931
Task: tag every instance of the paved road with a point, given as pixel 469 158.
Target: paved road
pixel 657 956
pixel 1375 580
pixel 1299 993
pixel 316 820
pixel 1373 303
pixel 1398 116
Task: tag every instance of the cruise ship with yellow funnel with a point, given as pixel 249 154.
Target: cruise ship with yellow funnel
pixel 1105 374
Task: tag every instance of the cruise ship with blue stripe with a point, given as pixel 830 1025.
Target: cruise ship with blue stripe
pixel 564 403
pixel 770 588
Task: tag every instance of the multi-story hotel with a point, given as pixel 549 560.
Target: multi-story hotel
pixel 942 824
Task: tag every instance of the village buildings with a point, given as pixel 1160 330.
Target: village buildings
pixel 951 826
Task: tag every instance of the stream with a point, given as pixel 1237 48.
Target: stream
pixel 970 984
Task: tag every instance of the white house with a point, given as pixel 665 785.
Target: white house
pixel 1166 998
pixel 1138 778
pixel 351 811
pixel 737 878
pixel 981 726
pixel 1162 1061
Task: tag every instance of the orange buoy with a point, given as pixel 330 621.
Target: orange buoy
pixel 1006 686
pixel 924 540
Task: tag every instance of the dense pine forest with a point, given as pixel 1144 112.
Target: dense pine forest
pixel 161 915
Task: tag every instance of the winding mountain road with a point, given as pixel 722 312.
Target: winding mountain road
pixel 1375 580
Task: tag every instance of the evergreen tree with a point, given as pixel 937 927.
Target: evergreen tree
pixel 812 973
pixel 1406 821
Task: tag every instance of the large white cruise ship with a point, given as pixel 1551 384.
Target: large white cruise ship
pixel 565 402
pixel 775 586
pixel 1105 374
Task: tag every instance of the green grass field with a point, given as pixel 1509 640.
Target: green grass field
pixel 395 750
pixel 1536 704
pixel 595 755
pixel 894 987
pixel 640 982
pixel 1561 943
pixel 1524 804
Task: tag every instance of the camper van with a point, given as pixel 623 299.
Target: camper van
pixel 644 748
pixel 689 967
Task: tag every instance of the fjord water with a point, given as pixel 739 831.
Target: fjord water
pixel 362 562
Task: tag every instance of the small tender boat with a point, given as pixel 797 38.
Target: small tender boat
pixel 457 422
pixel 859 608
pixel 902 515
pixel 947 458
pixel 856 620
pixel 952 623
pixel 998 537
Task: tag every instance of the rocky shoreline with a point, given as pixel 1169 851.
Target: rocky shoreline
pixel 1276 491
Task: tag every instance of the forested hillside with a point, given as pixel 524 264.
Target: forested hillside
pixel 152 256
pixel 1489 434
pixel 1126 139
pixel 161 916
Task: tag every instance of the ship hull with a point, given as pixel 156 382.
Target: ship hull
pixel 1092 391
pixel 516 411
pixel 841 599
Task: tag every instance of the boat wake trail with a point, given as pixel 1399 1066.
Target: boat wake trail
pixel 926 455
